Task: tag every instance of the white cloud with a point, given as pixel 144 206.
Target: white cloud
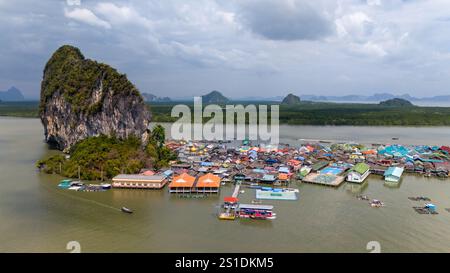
pixel 368 34
pixel 356 26
pixel 122 15
pixel 86 16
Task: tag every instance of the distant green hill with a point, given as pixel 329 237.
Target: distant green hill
pixel 291 99
pixel 215 97
pixel 396 102
pixel 12 94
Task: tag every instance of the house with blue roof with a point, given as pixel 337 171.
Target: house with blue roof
pixel 393 174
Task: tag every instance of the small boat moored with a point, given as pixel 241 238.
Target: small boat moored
pixel 126 210
pixel 106 186
pixel 227 216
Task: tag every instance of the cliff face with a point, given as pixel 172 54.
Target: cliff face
pixel 82 98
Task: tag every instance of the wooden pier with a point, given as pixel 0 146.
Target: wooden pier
pixel 236 190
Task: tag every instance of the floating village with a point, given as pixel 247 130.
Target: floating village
pixel 204 167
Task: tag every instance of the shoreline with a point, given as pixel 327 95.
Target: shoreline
pixel 285 124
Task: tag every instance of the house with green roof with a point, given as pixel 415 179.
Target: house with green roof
pixel 358 173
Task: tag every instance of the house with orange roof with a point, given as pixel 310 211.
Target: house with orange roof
pixel 182 183
pixel 283 178
pixel 208 183
pixel 294 164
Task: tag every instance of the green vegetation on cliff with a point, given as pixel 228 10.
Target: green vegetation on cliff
pixel 104 157
pixel 76 78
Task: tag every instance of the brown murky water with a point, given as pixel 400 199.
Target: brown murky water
pixel 37 216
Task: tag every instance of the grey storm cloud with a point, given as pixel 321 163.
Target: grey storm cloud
pixel 285 20
pixel 180 48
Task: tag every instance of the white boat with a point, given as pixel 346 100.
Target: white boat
pixel 126 210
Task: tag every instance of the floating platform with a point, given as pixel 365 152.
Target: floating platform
pixel 324 179
pixel 272 195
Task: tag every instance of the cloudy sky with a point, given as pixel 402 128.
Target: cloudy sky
pixel 239 47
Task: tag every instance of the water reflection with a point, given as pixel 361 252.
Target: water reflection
pixel 393 185
pixel 357 188
pixel 261 224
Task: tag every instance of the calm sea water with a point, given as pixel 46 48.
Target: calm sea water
pixel 37 216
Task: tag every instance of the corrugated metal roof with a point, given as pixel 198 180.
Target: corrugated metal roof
pixel 394 171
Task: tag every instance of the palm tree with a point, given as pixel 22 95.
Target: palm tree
pixel 158 135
